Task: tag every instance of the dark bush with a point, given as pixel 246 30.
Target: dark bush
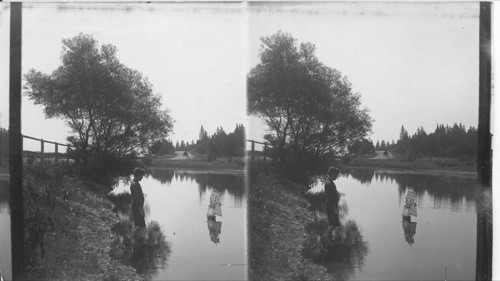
pixel 44 189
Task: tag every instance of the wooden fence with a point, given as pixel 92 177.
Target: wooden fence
pixel 56 151
pixel 252 153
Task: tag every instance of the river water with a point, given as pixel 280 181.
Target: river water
pixel 5 252
pixel 196 249
pixel 375 243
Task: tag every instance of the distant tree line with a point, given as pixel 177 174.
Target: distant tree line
pixel 383 145
pixel 363 146
pixel 184 145
pixel 162 147
pixel 445 141
pixel 221 144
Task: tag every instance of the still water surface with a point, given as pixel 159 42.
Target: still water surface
pixel 5 254
pixel 197 249
pixel 439 244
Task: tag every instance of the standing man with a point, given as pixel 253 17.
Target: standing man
pixel 332 200
pixel 138 198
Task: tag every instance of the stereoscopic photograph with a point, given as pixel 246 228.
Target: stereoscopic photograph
pixel 367 118
pixel 133 142
pixel 246 141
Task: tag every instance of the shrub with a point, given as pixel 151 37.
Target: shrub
pixel 44 189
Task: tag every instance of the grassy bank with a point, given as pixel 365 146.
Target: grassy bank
pixel 436 164
pixel 200 162
pixel 278 217
pixel 68 228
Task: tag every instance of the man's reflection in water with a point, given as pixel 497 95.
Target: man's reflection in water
pixel 214 229
pixel 145 249
pixel 332 202
pixel 410 228
pixel 340 256
pixel 334 243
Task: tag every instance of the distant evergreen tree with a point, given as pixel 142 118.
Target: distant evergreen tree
pixel 445 141
pixel 361 147
pixel 221 144
pixel 163 147
pixel 403 135
pixel 202 142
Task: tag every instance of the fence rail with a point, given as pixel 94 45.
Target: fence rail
pixel 56 151
pixel 252 155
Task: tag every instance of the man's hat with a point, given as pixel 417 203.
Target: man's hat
pixel 333 169
pixel 139 171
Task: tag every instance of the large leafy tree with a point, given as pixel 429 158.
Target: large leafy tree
pixel 110 108
pixel 309 107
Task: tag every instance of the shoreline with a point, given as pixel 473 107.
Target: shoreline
pixel 196 164
pixel 78 245
pixel 277 218
pixel 220 171
pixel 438 167
pixel 417 171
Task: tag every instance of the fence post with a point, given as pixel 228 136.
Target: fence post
pixel 265 151
pixel 41 148
pixel 265 162
pixel 16 143
pixel 57 154
pixel 67 155
pixel 253 152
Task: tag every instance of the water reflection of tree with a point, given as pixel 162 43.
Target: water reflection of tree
pixel 365 176
pixel 162 175
pixel 452 191
pixel 444 190
pixel 234 185
pixel 341 256
pixel 144 249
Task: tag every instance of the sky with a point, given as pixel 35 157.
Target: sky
pixel 194 56
pixel 414 64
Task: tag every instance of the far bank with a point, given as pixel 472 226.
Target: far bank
pixel 424 165
pixel 200 162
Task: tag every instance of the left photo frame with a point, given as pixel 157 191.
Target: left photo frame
pixel 127 141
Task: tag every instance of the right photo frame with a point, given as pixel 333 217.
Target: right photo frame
pixel 369 141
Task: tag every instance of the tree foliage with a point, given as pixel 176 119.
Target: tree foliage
pixel 310 108
pixel 221 144
pixel 162 147
pixel 445 141
pixel 111 109
pixel 361 147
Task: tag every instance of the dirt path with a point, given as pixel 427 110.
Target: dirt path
pixel 179 155
pixel 380 155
